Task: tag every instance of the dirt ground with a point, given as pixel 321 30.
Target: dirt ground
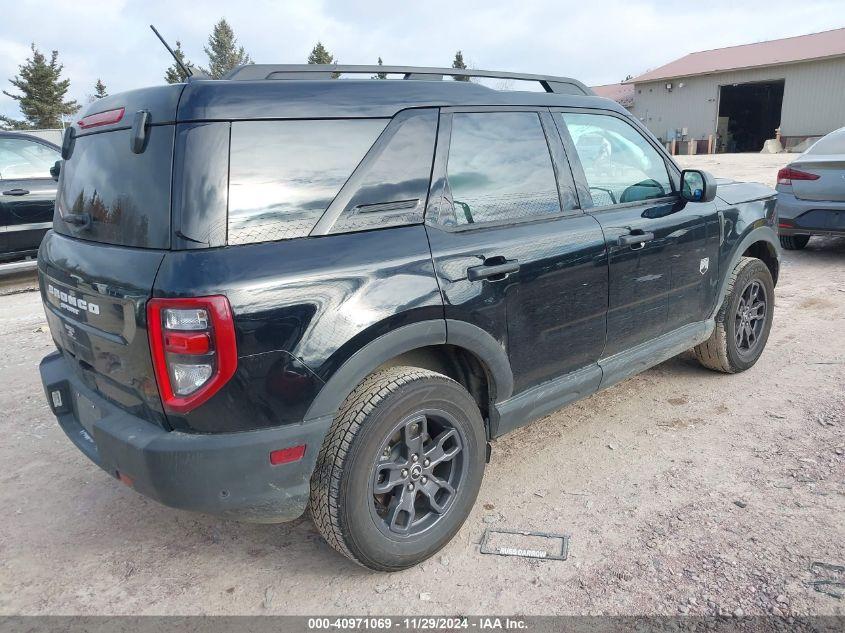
pixel 683 490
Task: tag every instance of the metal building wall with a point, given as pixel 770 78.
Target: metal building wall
pixel 813 99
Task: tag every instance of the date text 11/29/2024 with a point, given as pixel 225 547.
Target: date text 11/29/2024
pixel 483 623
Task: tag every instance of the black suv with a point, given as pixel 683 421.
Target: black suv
pixel 284 289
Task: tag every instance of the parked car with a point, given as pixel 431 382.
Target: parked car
pixel 811 193
pixel 27 193
pixel 267 295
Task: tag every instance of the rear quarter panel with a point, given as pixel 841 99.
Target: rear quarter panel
pixel 302 307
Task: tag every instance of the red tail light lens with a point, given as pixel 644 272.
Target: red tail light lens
pixel 108 117
pixel 788 174
pixel 193 346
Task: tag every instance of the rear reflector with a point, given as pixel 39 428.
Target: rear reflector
pixel 101 118
pixel 125 479
pixel 287 455
pixel 193 346
pixel 788 174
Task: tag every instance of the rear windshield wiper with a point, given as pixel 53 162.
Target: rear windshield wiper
pixel 80 220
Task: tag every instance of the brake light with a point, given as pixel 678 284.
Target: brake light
pixel 788 174
pixel 101 118
pixel 193 346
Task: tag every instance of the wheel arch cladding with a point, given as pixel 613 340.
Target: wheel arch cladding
pixel 467 354
pixel 766 252
pixel 762 239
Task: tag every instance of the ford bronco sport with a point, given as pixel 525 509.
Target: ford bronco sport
pixel 282 289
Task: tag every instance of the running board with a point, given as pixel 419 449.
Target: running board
pixel 550 396
pixel 632 361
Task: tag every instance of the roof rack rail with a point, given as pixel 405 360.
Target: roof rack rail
pixel 550 83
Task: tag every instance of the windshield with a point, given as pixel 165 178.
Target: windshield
pixel 833 143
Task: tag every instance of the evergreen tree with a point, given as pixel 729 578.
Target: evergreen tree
pixel 380 75
pixel 174 74
pixel 459 63
pixel 223 51
pixel 319 55
pixel 100 90
pixel 42 101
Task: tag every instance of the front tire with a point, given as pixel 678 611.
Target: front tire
pixel 794 242
pixel 400 468
pixel 744 320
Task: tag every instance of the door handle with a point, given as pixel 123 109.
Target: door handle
pixel 493 270
pixel 635 239
pixel 16 192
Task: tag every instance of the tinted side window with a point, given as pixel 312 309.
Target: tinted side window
pixel 389 187
pixel 284 174
pixel 21 159
pixel 619 163
pixel 500 168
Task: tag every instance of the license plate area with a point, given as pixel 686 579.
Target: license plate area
pixel 87 413
pixel 525 544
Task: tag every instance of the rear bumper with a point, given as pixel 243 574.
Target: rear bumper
pixel 809 217
pixel 223 474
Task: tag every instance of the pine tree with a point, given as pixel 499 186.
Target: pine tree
pixel 380 75
pixel 43 100
pixel 319 55
pixel 100 90
pixel 223 51
pixel 459 63
pixel 174 74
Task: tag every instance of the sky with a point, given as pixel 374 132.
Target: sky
pixel 598 42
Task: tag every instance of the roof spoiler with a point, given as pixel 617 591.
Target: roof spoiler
pixel 252 72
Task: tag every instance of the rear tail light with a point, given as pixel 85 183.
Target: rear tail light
pixel 193 348
pixel 788 174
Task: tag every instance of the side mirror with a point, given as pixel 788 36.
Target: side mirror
pixel 55 170
pixel 697 186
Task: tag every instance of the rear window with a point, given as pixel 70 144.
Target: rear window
pixel 284 174
pixel 118 196
pixel 833 143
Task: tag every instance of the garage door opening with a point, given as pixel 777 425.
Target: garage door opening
pixel 748 115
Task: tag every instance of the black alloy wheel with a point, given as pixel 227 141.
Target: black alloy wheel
pixel 750 318
pixel 417 474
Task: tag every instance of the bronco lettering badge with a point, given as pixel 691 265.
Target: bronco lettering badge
pixel 71 303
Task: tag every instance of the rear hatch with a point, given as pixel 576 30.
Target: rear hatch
pixel 112 229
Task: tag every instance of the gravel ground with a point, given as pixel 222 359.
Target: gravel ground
pixel 684 491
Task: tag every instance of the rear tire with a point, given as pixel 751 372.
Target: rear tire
pixel 744 320
pixel 794 242
pixel 400 468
